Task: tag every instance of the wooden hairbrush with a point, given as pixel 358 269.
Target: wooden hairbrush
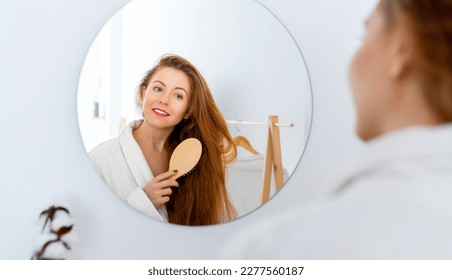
pixel 185 157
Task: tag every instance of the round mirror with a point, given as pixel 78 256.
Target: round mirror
pixel 252 65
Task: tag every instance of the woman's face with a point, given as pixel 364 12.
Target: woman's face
pixel 369 77
pixel 166 97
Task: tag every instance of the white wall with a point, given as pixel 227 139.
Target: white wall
pixel 42 155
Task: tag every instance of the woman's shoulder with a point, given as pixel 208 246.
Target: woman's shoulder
pixel 114 144
pixel 106 153
pixel 105 147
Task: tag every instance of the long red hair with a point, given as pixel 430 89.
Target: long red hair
pixel 202 197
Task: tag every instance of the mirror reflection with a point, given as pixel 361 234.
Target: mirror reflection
pixel 227 73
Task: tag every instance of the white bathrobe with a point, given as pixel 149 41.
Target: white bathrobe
pixel 393 202
pixel 122 165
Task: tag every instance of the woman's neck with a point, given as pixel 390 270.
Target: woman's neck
pixel 410 109
pixel 152 143
pixel 149 137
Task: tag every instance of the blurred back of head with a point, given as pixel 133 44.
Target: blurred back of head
pixel 431 24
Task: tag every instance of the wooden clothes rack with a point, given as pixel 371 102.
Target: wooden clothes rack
pixel 272 160
pixel 273 156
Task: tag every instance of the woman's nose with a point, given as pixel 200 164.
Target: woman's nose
pixel 164 100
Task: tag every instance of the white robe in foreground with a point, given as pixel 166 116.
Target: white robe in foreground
pixel 393 202
pixel 122 165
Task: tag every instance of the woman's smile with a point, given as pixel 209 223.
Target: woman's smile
pixel 159 112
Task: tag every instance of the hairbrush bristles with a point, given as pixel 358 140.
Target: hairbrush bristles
pixel 191 170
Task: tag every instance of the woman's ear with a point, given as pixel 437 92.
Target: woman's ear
pixel 403 50
pixel 396 70
pixel 399 63
pixel 142 92
pixel 187 116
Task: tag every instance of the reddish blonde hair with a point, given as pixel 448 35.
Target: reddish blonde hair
pixel 431 24
pixel 201 198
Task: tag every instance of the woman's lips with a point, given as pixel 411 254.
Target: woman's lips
pixel 160 112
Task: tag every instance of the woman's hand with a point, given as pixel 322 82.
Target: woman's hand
pixel 159 189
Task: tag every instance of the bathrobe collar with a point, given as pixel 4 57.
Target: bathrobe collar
pixel 134 156
pixel 414 143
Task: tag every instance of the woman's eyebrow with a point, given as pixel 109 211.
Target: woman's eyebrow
pixel 157 81
pixel 182 89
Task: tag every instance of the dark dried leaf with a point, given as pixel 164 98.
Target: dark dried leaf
pixel 62 231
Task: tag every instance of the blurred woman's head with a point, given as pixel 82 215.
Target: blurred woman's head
pixel 402 75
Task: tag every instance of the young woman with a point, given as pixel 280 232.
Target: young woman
pixel 176 104
pixel 394 200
